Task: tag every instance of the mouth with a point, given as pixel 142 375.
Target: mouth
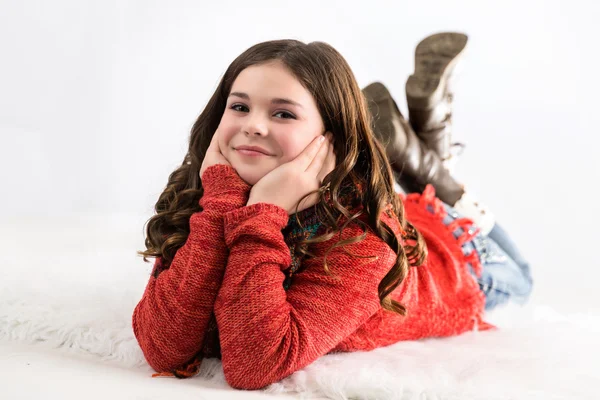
pixel 251 153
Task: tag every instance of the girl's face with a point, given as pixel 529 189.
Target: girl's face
pixel 268 108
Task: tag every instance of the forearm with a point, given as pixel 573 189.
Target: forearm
pixel 267 333
pixel 171 318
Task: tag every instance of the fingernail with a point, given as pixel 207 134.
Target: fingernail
pixel 321 138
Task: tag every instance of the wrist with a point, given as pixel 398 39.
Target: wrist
pixel 257 210
pixel 221 179
pixel 223 188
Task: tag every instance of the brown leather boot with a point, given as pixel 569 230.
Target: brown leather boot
pixel 428 96
pixel 415 164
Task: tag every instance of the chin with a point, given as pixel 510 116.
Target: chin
pixel 248 176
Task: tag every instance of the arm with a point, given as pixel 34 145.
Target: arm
pixel 267 333
pixel 170 320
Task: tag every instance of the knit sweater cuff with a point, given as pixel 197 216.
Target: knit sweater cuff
pixel 278 216
pixel 222 182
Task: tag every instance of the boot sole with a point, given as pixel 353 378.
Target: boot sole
pixel 378 94
pixel 387 121
pixel 435 58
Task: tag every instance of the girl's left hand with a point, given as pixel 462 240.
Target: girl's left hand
pixel 288 183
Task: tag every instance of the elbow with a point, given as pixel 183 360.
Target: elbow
pixel 164 353
pixel 156 361
pixel 157 364
pixel 254 365
pixel 152 355
pixel 251 374
pixel 248 381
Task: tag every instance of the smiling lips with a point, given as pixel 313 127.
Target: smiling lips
pixel 252 151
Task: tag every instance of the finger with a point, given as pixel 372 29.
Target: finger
pixel 329 164
pixel 317 162
pixel 304 159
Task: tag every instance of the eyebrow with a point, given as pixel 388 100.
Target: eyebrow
pixel 277 100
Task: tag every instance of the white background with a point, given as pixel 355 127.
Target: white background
pixel 97 100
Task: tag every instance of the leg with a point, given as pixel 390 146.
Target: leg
pixel 503 240
pixel 502 278
pixel 429 95
pixel 505 275
pixel 415 164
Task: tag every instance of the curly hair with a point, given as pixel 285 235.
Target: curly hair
pixel 361 160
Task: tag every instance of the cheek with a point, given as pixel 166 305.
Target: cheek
pixel 297 144
pixel 291 147
pixel 227 130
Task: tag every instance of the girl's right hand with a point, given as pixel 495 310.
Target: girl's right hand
pixel 213 155
pixel 287 184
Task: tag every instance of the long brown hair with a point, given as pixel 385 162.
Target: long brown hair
pixel 360 159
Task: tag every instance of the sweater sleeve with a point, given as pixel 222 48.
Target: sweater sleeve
pixel 170 320
pixel 267 333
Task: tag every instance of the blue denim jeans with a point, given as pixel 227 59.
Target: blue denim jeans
pixel 506 274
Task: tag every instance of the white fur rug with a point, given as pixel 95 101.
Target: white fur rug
pixel 71 284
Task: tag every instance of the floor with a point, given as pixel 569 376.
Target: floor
pixel 75 376
pixel 84 278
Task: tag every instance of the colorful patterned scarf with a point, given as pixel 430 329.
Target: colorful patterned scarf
pixel 310 225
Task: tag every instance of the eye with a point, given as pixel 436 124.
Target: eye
pixel 285 115
pixel 239 107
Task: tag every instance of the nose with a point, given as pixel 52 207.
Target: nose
pixel 256 125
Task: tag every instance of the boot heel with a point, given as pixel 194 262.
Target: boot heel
pixel 435 58
pixel 413 163
pixel 384 111
pixel 376 92
pixel 423 91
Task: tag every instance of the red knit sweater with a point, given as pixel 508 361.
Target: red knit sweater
pixel 229 274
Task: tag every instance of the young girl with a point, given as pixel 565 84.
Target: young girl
pixel 281 238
